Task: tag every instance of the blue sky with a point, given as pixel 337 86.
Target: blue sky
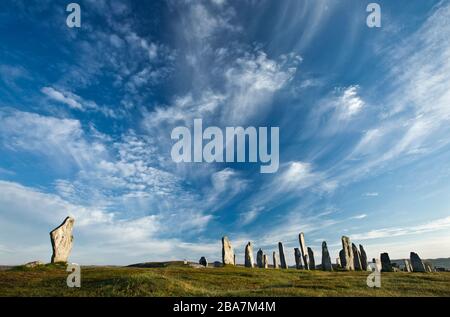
pixel 86 117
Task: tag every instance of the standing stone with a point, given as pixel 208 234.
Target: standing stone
pixel 378 265
pixel 301 239
pixel 363 258
pixel 312 262
pixel 203 261
pixel 62 240
pixel 326 260
pixel 416 263
pixel 407 264
pixel 276 264
pixel 338 262
pixel 347 255
pixel 298 259
pixel 356 258
pixel 282 257
pixel 249 262
pixel 259 259
pixel 265 261
pixel 386 265
pixel 227 252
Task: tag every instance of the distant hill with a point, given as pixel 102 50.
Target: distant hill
pixel 441 262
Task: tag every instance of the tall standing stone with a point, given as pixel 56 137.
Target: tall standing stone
pixel 312 262
pixel 363 258
pixel 249 262
pixel 298 259
pixel 356 258
pixel 62 240
pixel 276 264
pixel 301 240
pixel 227 252
pixel 326 260
pixel 265 261
pixel 417 263
pixel 407 264
pixel 347 255
pixel 282 257
pixel 259 258
pixel 386 265
pixel 203 261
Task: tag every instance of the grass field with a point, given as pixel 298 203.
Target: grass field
pixel 178 280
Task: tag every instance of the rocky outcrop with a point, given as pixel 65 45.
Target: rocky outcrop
pixel 62 241
pixel 312 262
pixel 347 254
pixel 249 261
pixel 386 265
pixel 363 255
pixel 304 250
pixel 282 257
pixel 417 263
pixel 356 258
pixel 326 260
pixel 227 252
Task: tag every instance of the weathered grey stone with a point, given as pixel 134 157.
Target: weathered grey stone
pixel 298 259
pixel 417 263
pixel 356 258
pixel 33 264
pixel 203 261
pixel 363 255
pixel 282 257
pixel 407 264
pixel 347 255
pixel 218 264
pixel 312 262
pixel 428 266
pixel 326 260
pixel 386 265
pixel 276 262
pixel 259 258
pixel 249 261
pixel 227 252
pixel 301 240
pixel 62 240
pixel 265 261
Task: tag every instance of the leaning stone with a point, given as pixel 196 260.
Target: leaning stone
pixel 203 261
pixel 275 261
pixel 62 240
pixel 298 259
pixel 417 263
pixel 386 265
pixel 347 255
pixel 312 262
pixel 259 259
pixel 249 261
pixel 301 240
pixel 363 258
pixel 356 258
pixel 227 252
pixel 265 261
pixel 282 257
pixel 326 260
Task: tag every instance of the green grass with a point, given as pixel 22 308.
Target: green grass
pixel 179 280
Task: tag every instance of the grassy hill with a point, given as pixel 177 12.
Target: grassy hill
pixel 176 279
